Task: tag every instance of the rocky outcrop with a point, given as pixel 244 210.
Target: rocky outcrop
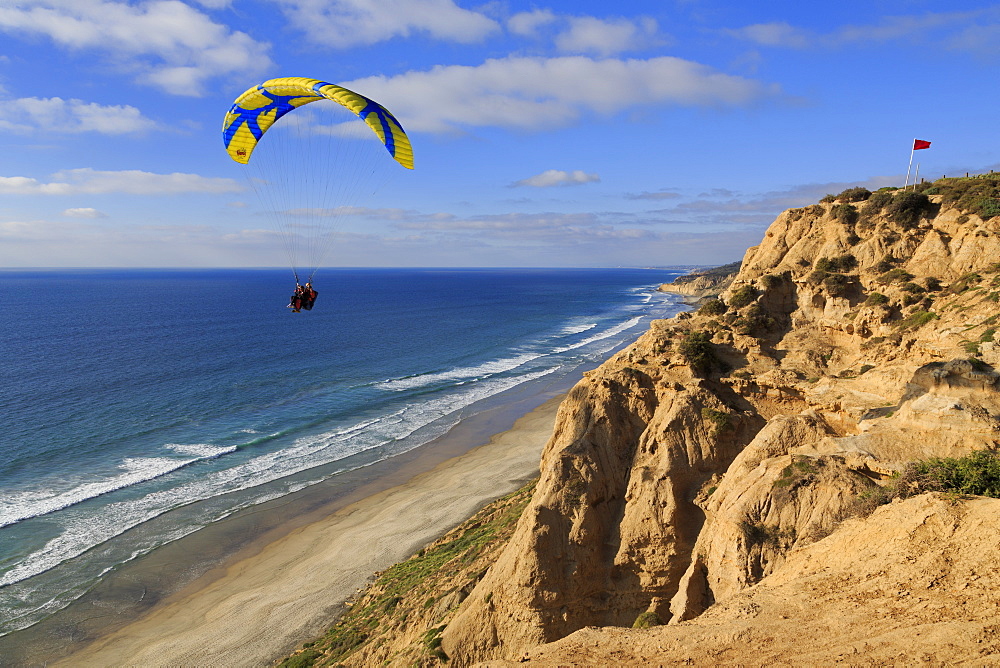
pixel 724 447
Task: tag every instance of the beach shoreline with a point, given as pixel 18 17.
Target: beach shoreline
pixel 286 587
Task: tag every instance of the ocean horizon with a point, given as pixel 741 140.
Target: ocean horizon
pixel 141 406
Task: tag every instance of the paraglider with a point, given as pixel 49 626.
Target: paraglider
pixel 307 177
pixel 256 110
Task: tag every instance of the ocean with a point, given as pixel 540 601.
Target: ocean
pixel 138 407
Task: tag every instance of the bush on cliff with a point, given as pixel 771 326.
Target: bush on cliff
pixel 697 350
pixel 874 206
pixel 907 208
pixel 846 213
pixel 976 474
pixel 978 196
pixel 876 299
pixel 647 620
pixel 742 296
pixel 712 307
pixel 858 194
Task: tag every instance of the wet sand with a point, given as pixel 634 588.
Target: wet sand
pixel 269 599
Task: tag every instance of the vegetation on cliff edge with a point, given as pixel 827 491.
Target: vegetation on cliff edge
pixel 412 589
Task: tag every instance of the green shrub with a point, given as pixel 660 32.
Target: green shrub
pixel 933 283
pixel 828 198
pixel 754 322
pixel 897 275
pixel 839 264
pixel 978 473
pixel 742 296
pixel 964 283
pixel 988 207
pixel 907 208
pixel 886 263
pixel 646 620
pixel 303 659
pixel 712 307
pixel 771 281
pixel 432 643
pixel 837 285
pixel 858 194
pixel 758 533
pixel 720 420
pixel 978 196
pixel 917 319
pixel 697 350
pixel 875 204
pixel 876 299
pixel 846 213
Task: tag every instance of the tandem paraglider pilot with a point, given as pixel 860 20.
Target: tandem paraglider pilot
pixel 249 120
pixel 303 298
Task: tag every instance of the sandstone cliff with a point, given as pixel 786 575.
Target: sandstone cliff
pixel 717 477
pixel 714 452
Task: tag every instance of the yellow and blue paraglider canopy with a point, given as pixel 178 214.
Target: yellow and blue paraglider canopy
pixel 256 110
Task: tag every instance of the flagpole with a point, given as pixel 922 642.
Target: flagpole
pixel 910 165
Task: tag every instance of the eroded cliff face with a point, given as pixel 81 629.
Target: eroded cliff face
pixel 858 336
pixel 915 584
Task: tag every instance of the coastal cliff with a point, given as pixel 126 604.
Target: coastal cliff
pixel 723 480
pixel 699 284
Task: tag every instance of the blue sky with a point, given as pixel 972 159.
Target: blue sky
pixel 545 134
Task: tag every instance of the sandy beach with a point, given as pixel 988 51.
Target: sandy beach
pixel 257 608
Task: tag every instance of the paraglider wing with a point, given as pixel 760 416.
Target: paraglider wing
pixel 256 110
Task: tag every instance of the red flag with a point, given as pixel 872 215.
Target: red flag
pixel 920 143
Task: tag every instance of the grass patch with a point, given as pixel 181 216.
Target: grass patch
pixel 896 275
pixel 799 469
pixel 917 319
pixel 976 474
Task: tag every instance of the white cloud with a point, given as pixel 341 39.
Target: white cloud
pixel 343 24
pixel 528 24
pixel 537 93
pixel 84 212
pixel 558 177
pixel 132 182
pixel 773 34
pixel 163 42
pixel 588 34
pixel 55 114
pixel 658 195
pixel 961 30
